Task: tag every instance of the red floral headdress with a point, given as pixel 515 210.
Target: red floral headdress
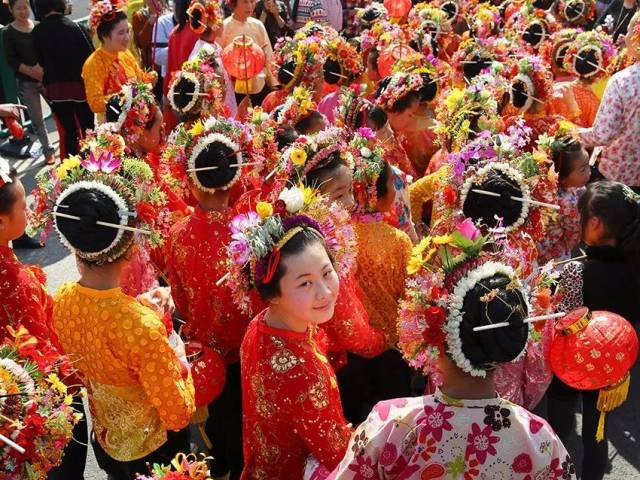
pixel 131 109
pixel 600 45
pixel 397 87
pixel 204 14
pixel 105 11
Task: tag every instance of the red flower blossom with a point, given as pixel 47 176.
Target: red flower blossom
pixel 434 333
pixel 450 196
pixel 146 212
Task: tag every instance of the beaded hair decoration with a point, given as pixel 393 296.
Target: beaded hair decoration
pixel 532 77
pixel 397 87
pixel 593 42
pixel 368 164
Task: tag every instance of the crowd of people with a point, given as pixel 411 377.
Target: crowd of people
pixel 333 240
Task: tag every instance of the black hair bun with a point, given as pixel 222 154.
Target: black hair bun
pixel 492 301
pixel 113 109
pixel 484 209
pixel 286 71
pixel 332 71
pixel 534 34
pixel 84 235
pixel 574 11
pixel 451 10
pixel 474 65
pixel 216 154
pixel 519 93
pixel 429 88
pixel 587 61
pixel 543 4
pixel 182 92
pixel 560 54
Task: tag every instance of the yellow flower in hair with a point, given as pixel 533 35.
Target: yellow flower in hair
pixel 67 165
pixel 298 157
pixel 419 249
pixel 442 239
pixel 465 127
pixel 57 384
pixel 539 157
pixel 68 399
pixel 310 194
pixel 264 209
pixel 197 129
pixel 565 126
pixel 453 99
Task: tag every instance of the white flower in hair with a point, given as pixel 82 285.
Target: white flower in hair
pixel 365 152
pixel 293 198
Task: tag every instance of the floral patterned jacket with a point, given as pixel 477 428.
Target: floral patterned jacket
pixel 437 437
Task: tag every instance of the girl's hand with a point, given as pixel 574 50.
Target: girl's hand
pixel 158 299
pixel 11 110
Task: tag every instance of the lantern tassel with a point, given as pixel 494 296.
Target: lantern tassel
pixel 199 418
pixel 609 399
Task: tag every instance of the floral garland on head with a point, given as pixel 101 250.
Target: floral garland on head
pixel 370 16
pixel 454 115
pixel 554 49
pixel 301 59
pixel 426 12
pixel 532 77
pixel 484 21
pixel 368 163
pixel 36 413
pixel 455 10
pixel 258 236
pixel 351 105
pixel 442 270
pixel 345 54
pixel 532 26
pixel 104 11
pixel 264 144
pixel 131 110
pixel 127 181
pixel 396 87
pixel 183 467
pixel 309 152
pixel 104 139
pixel 576 12
pixel 600 45
pixel 204 14
pixel 197 90
pixel 382 34
pixel 319 31
pixel 472 54
pixel 298 105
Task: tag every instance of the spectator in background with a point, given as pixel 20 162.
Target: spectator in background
pixel 275 16
pixel 616 18
pixel 242 23
pixel 144 23
pixel 323 11
pixel 64 88
pixel 21 55
pixel 166 23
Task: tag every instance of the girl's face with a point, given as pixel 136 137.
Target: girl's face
pixel 21 10
pixel 401 121
pixel 245 8
pixel 14 222
pixel 309 288
pixel 118 41
pixel 340 188
pixel 580 171
pixel 153 137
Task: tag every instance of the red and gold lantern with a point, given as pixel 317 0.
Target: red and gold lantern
pixel 595 351
pixel 243 60
pixel 397 8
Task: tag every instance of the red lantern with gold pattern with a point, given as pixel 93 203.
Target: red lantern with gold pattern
pixel 242 58
pixel 397 8
pixel 390 56
pixel 208 371
pixel 595 351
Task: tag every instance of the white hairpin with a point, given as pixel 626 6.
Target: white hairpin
pixel 493 326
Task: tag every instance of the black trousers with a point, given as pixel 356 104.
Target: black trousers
pixel 75 455
pixel 562 403
pixel 76 118
pixel 224 427
pixel 177 442
pixel 364 382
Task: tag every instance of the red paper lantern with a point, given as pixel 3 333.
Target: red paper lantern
pixel 242 58
pixel 397 8
pixel 593 350
pixel 390 56
pixel 208 372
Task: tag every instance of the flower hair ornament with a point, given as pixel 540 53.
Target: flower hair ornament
pixel 576 12
pixel 298 105
pixel 343 62
pixel 135 208
pixel 218 145
pixel 531 82
pixel 105 11
pixel 531 25
pixel 258 237
pixel 474 55
pixel 554 49
pixel 396 87
pixel 5 173
pixel 204 14
pixel 443 270
pixel 590 55
pixel 197 90
pixel 484 21
pixel 131 110
pixel 370 15
pixel 368 164
pixel 104 139
pixel 352 105
pixel 299 61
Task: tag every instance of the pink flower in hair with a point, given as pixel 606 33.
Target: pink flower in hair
pixel 468 229
pixel 106 163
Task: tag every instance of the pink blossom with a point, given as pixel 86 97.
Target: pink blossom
pixel 468 229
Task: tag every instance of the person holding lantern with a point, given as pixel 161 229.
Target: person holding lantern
pixel 606 280
pixel 459 293
pixel 212 154
pixel 240 29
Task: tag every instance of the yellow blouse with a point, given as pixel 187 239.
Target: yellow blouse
pixel 105 72
pixel 383 255
pixel 423 190
pixel 135 386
